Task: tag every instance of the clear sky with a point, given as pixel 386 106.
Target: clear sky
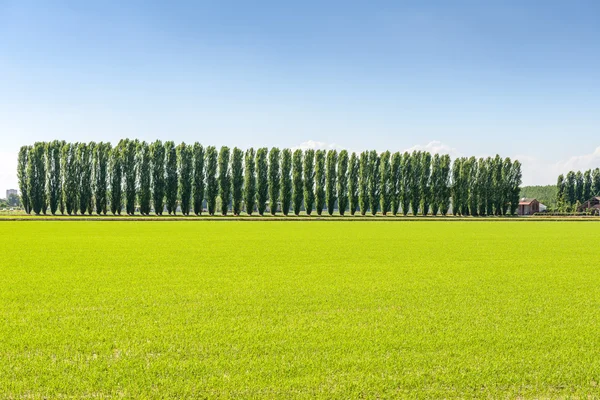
pixel 518 78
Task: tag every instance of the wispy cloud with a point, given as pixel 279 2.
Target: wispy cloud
pixel 436 147
pixel 315 145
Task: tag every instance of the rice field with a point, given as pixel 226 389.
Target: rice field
pixel 302 309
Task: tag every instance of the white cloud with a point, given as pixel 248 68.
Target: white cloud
pixel 436 147
pixel 314 145
pixel 8 172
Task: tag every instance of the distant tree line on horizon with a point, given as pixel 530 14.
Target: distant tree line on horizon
pixel 575 188
pixel 87 178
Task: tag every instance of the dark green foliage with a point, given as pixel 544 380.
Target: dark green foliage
pixel 22 177
pixel 224 179
pixel 571 195
pixel 116 180
pixel 596 182
pixel 36 178
pixel 415 181
pixel 100 157
pixel 185 173
pixel 249 181
pixel 157 154
pixel 482 186
pixel 53 180
pixel 363 182
pixel 273 176
pixel 319 181
pixel 309 180
pixel 435 184
pixel 579 187
pixel 373 183
pixel 144 177
pixel 285 183
pixel 470 177
pixel 171 179
pixel 385 182
pixel 84 166
pixel 497 184
pixel 425 183
pixel 515 179
pixel 342 181
pixel 128 153
pixel 353 174
pixel 198 180
pixel 560 192
pixel 445 184
pixel 395 183
pixel 587 185
pixel 330 181
pixel 457 193
pixel 237 180
pixel 297 184
pixel 406 168
pixel 262 181
pixel 70 180
pixel 212 185
pixel 507 186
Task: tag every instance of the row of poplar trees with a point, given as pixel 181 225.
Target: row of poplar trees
pixel 577 187
pixel 132 176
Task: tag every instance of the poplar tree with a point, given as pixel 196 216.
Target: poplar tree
pixel 68 164
pixel 36 178
pixel 198 180
pixel 285 183
pixel 262 179
pixel 515 186
pixel 129 173
pixel 237 180
pixel 445 184
pixel 100 158
pixel 425 182
pixel 491 187
pixel 22 163
pixel 560 191
pixel 84 166
pixel 497 184
pixel 407 177
pixel 144 177
pixel 53 181
pixel 319 181
pixel 596 182
pixel 373 183
pixel 507 188
pixel 395 184
pixel 249 181
pixel 415 181
pixel 570 188
pixel 212 185
pixel 309 180
pixel 587 185
pixel 171 178
pixel 224 179
pixel 342 181
pixel 185 173
pixel 469 172
pixel 330 180
pixel 457 200
pixel 297 184
pixel 482 187
pixel 353 173
pixel 435 184
pixel 385 183
pixel 579 186
pixel 116 180
pixel 157 154
pixel 363 182
pixel 274 178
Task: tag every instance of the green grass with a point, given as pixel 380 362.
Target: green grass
pixel 299 310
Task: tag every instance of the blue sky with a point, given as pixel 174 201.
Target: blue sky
pixel 518 78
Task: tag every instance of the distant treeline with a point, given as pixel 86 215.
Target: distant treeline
pixel 84 178
pixel 576 188
pixel 545 194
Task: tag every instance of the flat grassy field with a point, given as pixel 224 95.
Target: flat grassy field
pixel 206 309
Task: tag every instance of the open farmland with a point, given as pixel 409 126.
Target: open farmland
pixel 329 309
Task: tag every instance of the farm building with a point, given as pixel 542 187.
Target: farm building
pixel 528 206
pixel 592 205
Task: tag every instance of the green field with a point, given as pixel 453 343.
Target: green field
pixel 299 309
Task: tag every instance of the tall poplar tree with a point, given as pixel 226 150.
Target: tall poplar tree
pixel 285 183
pixel 342 181
pixel 587 185
pixel 53 181
pixel 157 154
pixel 273 173
pixel 596 182
pixel 395 184
pixel 425 183
pixel 457 192
pixel 515 186
pixel 507 169
pixel 198 180
pixel 36 178
pixel 249 181
pixel 407 177
pixel 100 159
pixel 319 181
pixel 385 183
pixel 237 180
pixel 373 184
pixel 171 178
pixel 309 180
pixel 144 177
pixel 212 185
pixel 262 180
pixel 330 180
pixel 22 163
pixel 224 179
pixel 363 182
pixel 570 188
pixel 116 180
pixel 415 181
pixel 84 164
pixel 70 179
pixel 297 184
pixel 435 184
pixel 579 187
pixel 445 184
pixel 129 148
pixel 560 191
pixel 185 173
pixel 482 183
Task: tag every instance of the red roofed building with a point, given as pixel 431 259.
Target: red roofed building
pixel 528 206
